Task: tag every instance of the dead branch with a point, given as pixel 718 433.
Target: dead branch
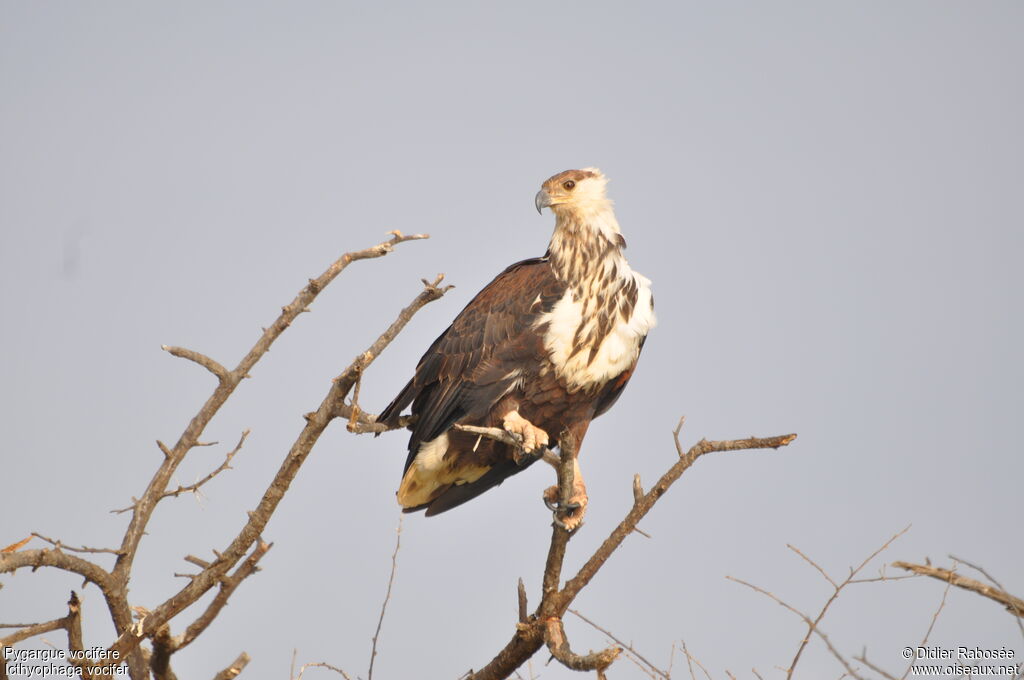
pixel 554 636
pixel 863 658
pixel 227 588
pixel 71 624
pixel 641 508
pixel 530 636
pixel 387 597
pixel 32 631
pixel 142 509
pixel 234 669
pixel 201 359
pixel 316 423
pixel 690 657
pixel 193 488
pixel 84 549
pixel 993 581
pixel 321 664
pixel 1013 604
pixel 91 573
pixel 629 648
pixel 114 584
pixel 811 626
pixel 226 465
pixel 931 627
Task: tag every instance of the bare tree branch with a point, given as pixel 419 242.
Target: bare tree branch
pixel 227 588
pixel 234 669
pixel 690 657
pixel 316 423
pixel 387 597
pixel 863 658
pixel 226 465
pixel 530 636
pixel 1013 604
pixel 75 641
pixel 32 631
pixel 71 623
pixel 812 625
pixel 142 509
pixel 641 508
pixel 997 584
pixel 554 636
pixel 193 488
pixel 931 627
pixel 92 573
pixel 84 549
pixel 651 666
pixel 201 359
pixel 321 664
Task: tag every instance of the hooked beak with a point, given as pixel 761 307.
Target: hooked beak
pixel 542 200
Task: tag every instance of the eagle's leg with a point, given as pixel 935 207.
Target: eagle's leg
pixel 532 437
pixel 569 516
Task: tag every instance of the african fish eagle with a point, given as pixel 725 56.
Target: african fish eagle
pixel 545 347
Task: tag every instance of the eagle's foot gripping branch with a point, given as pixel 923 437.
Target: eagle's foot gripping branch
pixel 570 515
pixel 532 437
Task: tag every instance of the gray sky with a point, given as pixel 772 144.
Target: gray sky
pixel 827 197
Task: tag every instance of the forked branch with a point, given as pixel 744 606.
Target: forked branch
pixel 533 633
pixel 316 422
pixel 114 583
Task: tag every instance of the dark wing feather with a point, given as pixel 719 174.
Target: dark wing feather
pixel 457 494
pixel 466 369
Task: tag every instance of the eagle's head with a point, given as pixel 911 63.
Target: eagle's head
pixel 579 192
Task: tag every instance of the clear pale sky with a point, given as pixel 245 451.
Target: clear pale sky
pixel 828 199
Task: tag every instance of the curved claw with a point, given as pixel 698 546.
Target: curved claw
pixel 555 506
pixel 568 516
pixel 563 525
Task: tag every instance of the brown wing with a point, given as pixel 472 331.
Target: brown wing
pixel 478 358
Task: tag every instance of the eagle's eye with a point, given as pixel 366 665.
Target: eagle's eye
pixel 569 184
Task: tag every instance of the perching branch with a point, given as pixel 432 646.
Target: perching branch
pixel 530 636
